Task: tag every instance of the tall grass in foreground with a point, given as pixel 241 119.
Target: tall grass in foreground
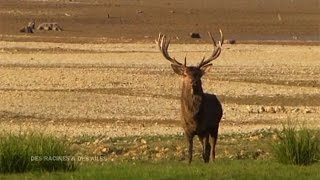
pixel 21 153
pixel 299 147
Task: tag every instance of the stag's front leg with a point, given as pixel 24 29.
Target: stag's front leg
pixel 190 148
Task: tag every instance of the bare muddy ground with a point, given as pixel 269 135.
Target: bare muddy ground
pixel 129 89
pixel 142 20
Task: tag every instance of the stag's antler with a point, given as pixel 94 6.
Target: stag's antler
pixel 163 44
pixel 216 51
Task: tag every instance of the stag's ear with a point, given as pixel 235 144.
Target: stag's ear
pixel 178 69
pixel 205 68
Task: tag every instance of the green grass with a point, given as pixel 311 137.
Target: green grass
pixel 221 169
pixel 239 156
pixel 299 147
pixel 21 153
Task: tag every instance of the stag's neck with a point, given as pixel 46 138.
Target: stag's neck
pixel 191 99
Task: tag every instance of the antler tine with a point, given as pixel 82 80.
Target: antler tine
pixel 163 45
pixel 222 37
pixel 216 50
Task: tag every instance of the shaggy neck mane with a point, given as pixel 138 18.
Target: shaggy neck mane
pixel 191 98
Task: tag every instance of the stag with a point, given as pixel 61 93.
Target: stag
pixel 200 112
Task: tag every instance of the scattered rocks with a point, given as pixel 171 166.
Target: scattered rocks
pixel 243 154
pixel 254 138
pixel 157 148
pixel 179 148
pixel 159 155
pixel 266 109
pixel 270 109
pixel 249 109
pixel 301 110
pixel 195 35
pixel 102 150
pixel 275 137
pixel 144 147
pixel 279 109
pixel 307 111
pixel 96 141
pixel 105 150
pixel 229 41
pixel 143 141
pixel 261 109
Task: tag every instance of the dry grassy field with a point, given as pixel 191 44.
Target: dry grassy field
pixel 105 76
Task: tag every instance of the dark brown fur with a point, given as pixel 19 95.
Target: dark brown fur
pixel 200 112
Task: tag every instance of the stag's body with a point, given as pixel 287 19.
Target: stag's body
pixel 200 112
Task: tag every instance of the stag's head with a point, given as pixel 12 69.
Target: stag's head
pixel 191 74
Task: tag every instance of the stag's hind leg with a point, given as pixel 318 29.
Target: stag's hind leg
pixel 213 142
pixel 206 148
